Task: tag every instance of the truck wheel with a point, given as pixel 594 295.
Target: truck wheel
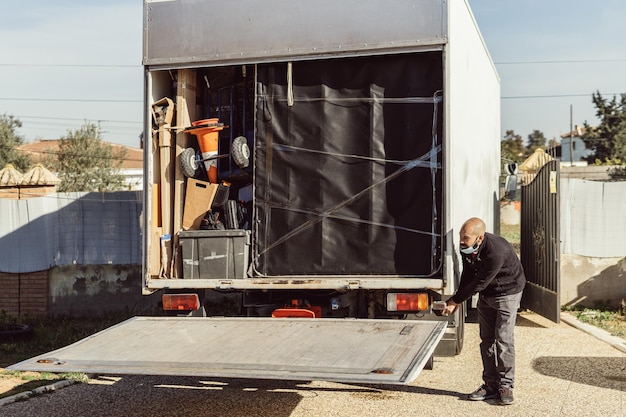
pixel 430 363
pixel 188 163
pixel 460 329
pixel 240 152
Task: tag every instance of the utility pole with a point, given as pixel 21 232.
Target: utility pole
pixel 571 136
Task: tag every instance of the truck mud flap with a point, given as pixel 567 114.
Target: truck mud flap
pixel 342 350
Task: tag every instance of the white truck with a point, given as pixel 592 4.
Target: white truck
pixel 342 144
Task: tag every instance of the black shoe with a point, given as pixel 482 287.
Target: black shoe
pixel 484 392
pixel 506 396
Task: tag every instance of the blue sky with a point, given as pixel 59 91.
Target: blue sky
pixel 558 51
pixel 88 52
pixel 65 62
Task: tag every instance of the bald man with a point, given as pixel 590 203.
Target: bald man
pixel 492 269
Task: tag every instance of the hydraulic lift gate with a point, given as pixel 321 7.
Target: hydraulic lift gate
pixel 343 350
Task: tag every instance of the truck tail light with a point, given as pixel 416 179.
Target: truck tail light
pixel 407 301
pixel 180 302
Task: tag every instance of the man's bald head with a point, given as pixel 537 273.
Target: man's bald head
pixel 472 231
pixel 475 226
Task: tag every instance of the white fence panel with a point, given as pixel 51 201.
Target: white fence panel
pixel 593 218
pixel 70 229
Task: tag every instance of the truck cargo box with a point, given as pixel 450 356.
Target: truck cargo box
pixel 213 254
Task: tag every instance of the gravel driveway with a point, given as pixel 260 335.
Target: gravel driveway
pixel 561 371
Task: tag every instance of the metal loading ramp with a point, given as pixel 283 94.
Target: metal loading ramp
pixel 343 350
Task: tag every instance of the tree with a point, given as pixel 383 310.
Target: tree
pixel 512 147
pixel 608 139
pixel 553 143
pixel 86 163
pixel 9 139
pixel 535 140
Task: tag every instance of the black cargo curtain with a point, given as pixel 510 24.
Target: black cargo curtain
pixel 329 133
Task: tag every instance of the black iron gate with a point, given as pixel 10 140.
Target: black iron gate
pixel 540 242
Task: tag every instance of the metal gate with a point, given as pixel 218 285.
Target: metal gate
pixel 540 242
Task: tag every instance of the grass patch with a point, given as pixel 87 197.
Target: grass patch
pixel 511 232
pixel 33 380
pixel 610 319
pixel 49 333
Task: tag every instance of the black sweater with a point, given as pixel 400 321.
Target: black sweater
pixel 494 269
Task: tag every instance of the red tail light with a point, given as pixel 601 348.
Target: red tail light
pixel 180 302
pixel 407 301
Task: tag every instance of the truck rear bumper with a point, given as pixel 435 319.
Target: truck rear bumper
pixel 286 283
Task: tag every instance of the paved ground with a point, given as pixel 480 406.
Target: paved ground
pixel 561 371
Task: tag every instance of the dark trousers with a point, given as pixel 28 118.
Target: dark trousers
pixel 496 320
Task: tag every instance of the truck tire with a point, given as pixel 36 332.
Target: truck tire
pixel 240 152
pixel 430 363
pixel 460 329
pixel 188 163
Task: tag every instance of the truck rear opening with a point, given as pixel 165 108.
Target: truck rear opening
pixel 345 176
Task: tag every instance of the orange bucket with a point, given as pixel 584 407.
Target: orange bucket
pixel 208 142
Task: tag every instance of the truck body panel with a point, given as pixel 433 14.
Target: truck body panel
pixel 187 33
pixel 344 350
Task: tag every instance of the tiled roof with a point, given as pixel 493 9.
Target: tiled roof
pixel 577 132
pixel 38 150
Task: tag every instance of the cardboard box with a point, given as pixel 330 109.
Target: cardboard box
pixel 198 199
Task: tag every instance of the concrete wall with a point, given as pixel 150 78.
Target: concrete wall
pixel 88 290
pixel 510 212
pixel 591 281
pixel 591 172
pixel 76 291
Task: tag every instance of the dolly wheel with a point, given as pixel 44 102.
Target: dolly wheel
pixel 240 151
pixel 188 163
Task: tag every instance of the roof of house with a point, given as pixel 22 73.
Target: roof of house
pixel 576 133
pixel 39 175
pixel 9 176
pixel 38 150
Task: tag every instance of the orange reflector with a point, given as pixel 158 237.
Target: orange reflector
pixel 180 302
pixel 298 312
pixel 407 301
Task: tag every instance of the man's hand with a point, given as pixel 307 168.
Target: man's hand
pixel 451 307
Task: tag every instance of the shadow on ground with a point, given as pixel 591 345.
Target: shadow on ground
pixel 119 396
pixel 600 372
